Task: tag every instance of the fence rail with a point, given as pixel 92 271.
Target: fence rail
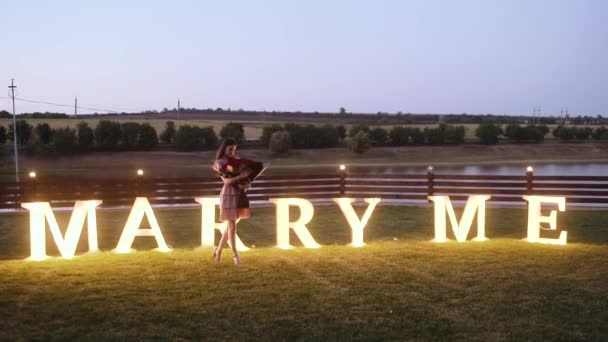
pixel 588 190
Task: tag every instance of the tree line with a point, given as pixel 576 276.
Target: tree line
pixel 110 135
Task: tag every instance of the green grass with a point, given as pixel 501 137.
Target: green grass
pixel 399 286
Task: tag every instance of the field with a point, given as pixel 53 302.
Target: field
pixel 399 286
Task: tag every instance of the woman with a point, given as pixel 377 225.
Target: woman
pixel 233 201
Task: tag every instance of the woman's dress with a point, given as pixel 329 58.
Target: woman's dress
pixel 229 198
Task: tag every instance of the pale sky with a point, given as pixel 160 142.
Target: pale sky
pixel 426 56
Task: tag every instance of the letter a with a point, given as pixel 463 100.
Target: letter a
pixel 39 211
pixel 299 226
pixel 208 224
pixel 140 208
pixel 461 229
pixel 356 225
pixel 535 218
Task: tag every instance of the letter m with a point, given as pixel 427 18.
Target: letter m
pixel 40 212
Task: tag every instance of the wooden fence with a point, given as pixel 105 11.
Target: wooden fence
pixel 411 188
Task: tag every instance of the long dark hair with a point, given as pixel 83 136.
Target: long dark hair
pixel 222 149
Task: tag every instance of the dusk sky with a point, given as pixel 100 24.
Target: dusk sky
pixel 501 57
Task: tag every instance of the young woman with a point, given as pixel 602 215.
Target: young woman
pixel 233 201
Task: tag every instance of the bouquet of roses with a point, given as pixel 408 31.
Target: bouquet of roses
pixel 236 166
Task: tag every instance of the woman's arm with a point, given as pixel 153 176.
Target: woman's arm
pixel 232 180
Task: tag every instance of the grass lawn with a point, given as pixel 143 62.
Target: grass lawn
pixel 399 286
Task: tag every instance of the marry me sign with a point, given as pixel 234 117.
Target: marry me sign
pixel 41 213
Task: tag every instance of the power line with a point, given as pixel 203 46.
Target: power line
pixel 76 106
pixel 66 105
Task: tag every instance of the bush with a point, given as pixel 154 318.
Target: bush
pixel 400 136
pixel 2 135
pixel 191 138
pixel 280 142
pixel 378 136
pixel 453 134
pixel 311 136
pixel 129 135
pixel 417 136
pixel 299 137
pixel 488 133
pixel 35 148
pixel 534 133
pixel 359 143
pixel 434 136
pixel 209 136
pixel 583 133
pixel 267 132
pixel 564 133
pixel 327 136
pixel 86 138
pixel 233 130
pixel 600 133
pixel 168 135
pixel 65 140
pixel 571 133
pixel 24 132
pixel 341 132
pixel 356 128
pixel 148 138
pixel 559 130
pixel 542 128
pixel 43 131
pixel 107 134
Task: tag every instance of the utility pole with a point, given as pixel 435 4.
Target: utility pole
pixel 178 110
pixel 12 88
pixel 75 106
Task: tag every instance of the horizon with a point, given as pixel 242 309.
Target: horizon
pixel 203 111
pixel 442 58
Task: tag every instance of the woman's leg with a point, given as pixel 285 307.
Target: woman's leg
pixel 232 237
pixel 232 231
pixel 223 241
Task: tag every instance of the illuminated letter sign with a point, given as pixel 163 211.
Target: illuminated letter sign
pixel 299 226
pixel 535 218
pixel 461 230
pixel 208 224
pixel 356 225
pixel 140 208
pixel 39 211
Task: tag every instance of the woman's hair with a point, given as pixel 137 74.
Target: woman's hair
pixel 222 149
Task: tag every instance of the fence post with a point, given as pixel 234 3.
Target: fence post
pixel 430 178
pixel 138 181
pixel 33 197
pixel 342 175
pixel 529 177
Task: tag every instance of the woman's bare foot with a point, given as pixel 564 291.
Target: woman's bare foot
pixel 237 260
